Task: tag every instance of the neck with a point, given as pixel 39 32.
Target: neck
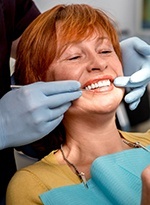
pixel 89 138
pixel 93 137
pixel 93 132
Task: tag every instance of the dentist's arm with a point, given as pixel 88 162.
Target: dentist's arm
pixel 31 112
pixel 136 65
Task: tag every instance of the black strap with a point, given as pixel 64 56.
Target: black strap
pixel 4 54
pixel 7 161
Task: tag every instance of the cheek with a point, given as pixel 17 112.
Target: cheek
pixel 49 76
pixel 120 71
pixel 58 72
pixel 118 68
pixel 66 74
pixel 65 71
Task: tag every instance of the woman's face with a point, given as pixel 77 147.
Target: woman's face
pixel 94 63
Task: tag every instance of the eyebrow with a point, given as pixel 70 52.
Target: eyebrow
pixel 102 38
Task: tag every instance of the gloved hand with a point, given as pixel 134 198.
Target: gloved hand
pixel 136 65
pixel 31 112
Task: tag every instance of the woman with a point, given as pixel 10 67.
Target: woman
pixel 85 48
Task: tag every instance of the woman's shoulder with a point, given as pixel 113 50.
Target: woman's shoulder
pixel 46 173
pixel 40 169
pixel 35 173
pixel 143 138
pixel 34 180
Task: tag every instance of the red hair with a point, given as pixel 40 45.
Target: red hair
pixel 38 45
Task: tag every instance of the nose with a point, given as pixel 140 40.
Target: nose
pixel 97 63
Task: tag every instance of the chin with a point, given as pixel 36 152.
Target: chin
pixel 106 102
pixel 108 107
pixel 110 104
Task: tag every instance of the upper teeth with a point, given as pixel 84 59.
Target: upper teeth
pixel 99 84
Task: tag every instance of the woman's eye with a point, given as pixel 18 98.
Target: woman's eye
pixel 106 52
pixel 74 58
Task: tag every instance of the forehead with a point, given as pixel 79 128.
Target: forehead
pixel 64 41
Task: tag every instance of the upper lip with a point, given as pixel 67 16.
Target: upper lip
pixel 96 80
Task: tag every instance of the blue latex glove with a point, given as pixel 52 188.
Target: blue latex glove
pixel 31 112
pixel 136 65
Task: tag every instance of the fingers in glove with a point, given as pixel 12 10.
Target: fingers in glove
pixel 134 95
pixel 57 112
pixel 122 81
pixel 55 117
pixel 142 75
pixel 49 88
pixel 134 105
pixel 125 81
pixel 61 99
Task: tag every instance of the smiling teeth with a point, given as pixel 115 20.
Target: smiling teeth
pixel 99 84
